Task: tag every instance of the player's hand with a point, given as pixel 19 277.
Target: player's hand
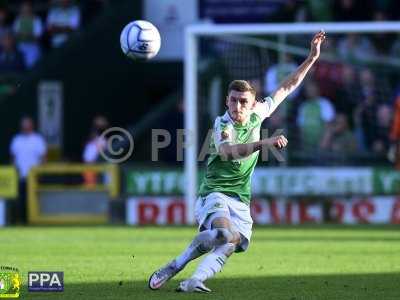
pixel 316 42
pixel 279 141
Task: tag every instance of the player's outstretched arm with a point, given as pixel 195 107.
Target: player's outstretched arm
pixel 237 151
pixel 295 79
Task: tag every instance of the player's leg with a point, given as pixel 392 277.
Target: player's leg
pixel 239 223
pixel 213 262
pixel 204 241
pixel 212 214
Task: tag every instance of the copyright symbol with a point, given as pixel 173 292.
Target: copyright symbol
pixel 118 146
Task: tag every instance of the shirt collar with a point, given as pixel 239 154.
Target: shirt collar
pixel 227 117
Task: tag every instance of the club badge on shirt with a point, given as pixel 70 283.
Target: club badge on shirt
pixel 224 135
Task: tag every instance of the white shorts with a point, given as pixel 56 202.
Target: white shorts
pixel 220 205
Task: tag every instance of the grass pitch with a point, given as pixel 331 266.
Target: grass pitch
pixel 289 263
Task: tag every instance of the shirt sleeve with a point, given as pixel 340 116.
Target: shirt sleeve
pixel 327 110
pixel 37 27
pixel 90 153
pixel 41 146
pixel 223 133
pixel 13 146
pixel 264 109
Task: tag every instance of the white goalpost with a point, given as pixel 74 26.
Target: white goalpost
pixel 193 34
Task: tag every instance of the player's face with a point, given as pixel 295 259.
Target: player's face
pixel 27 125
pixel 240 105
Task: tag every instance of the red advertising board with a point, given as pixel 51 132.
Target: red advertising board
pixel 355 210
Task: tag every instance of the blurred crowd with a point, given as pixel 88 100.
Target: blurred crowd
pixel 345 110
pixel 30 29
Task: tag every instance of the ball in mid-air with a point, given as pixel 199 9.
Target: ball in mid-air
pixel 140 40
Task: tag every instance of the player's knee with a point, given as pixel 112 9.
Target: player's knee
pixel 223 236
pixel 236 238
pixel 226 249
pixel 204 241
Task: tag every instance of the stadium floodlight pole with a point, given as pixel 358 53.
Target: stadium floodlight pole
pixel 190 93
pixel 192 32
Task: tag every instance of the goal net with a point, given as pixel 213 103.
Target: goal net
pixel 341 114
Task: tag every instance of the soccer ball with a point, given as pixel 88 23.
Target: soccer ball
pixel 140 40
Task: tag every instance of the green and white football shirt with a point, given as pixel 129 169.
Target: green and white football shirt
pixel 233 177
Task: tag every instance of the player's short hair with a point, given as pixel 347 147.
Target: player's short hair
pixel 241 86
